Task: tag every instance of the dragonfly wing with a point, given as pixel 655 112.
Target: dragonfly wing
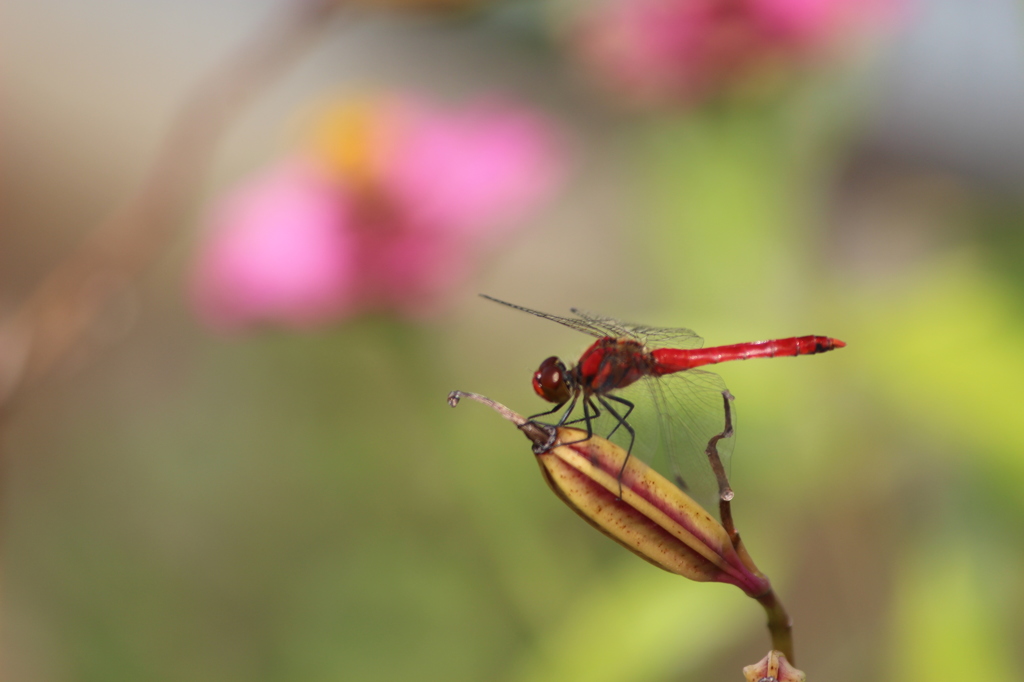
pixel 601 325
pixel 579 324
pixel 652 337
pixel 675 418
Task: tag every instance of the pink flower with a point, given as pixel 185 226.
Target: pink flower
pixel 649 48
pixel 686 50
pixel 390 208
pixel 477 169
pixel 815 23
pixel 278 251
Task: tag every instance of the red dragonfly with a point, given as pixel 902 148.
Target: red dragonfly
pixel 688 402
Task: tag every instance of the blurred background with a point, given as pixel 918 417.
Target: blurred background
pixel 282 501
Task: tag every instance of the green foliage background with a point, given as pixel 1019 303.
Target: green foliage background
pixel 287 507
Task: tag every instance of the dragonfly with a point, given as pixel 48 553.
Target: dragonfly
pixel 690 406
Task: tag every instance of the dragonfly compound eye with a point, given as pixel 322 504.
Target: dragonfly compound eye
pixel 549 381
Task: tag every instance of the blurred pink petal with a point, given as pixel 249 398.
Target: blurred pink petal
pixel 650 48
pixel 684 50
pixel 403 201
pixel 414 272
pixel 813 23
pixel 481 169
pixel 280 250
pixel 804 21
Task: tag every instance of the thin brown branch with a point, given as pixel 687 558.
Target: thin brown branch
pixel 55 317
pixel 725 493
pixel 780 627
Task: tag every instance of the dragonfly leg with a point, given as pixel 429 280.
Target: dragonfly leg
pixel 565 415
pixel 554 409
pixel 595 415
pixel 588 418
pixel 621 420
pixel 623 423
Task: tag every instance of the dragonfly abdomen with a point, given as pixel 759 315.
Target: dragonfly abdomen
pixel 671 360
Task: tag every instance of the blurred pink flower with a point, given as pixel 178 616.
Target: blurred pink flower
pixel 816 23
pixel 460 171
pixel 279 250
pixel 391 207
pixel 686 50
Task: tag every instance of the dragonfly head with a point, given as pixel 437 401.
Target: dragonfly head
pixel 551 381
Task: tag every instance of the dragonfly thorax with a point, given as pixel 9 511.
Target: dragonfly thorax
pixel 612 363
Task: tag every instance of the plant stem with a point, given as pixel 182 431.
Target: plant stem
pixel 725 493
pixel 780 625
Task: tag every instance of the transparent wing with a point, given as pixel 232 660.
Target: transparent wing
pixel 675 417
pixel 601 325
pixel 582 325
pixel 652 337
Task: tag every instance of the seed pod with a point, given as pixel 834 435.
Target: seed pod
pixel 653 518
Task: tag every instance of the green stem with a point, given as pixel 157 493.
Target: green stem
pixel 780 626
